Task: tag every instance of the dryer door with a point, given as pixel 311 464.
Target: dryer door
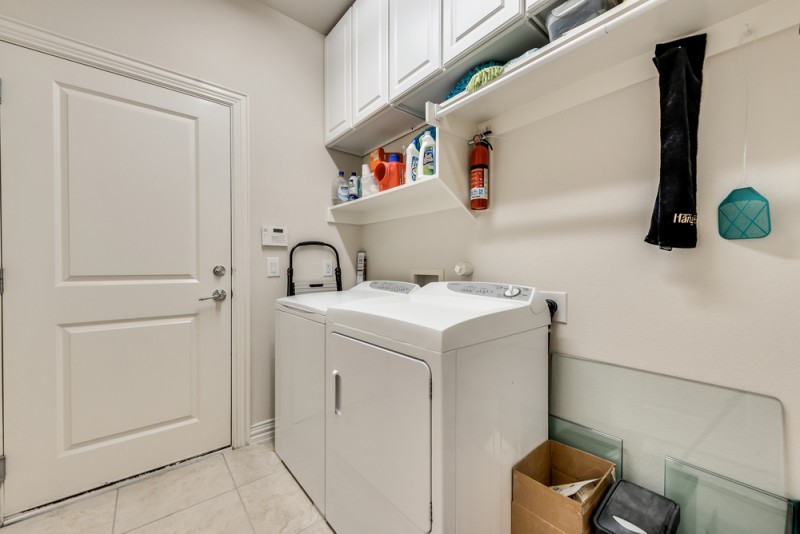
pixel 378 447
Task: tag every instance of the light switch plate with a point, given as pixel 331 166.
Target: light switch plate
pixel 273 267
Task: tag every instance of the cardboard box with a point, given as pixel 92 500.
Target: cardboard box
pixel 536 509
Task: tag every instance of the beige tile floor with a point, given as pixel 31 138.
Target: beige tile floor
pixel 246 491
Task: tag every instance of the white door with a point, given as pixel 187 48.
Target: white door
pixel 115 209
pixel 415 43
pixel 378 440
pixel 338 79
pixel 467 23
pixel 370 58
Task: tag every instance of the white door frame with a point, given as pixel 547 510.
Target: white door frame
pixel 14 32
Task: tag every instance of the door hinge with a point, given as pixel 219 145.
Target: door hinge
pixel 2 467
pixel 2 282
pixel 430 509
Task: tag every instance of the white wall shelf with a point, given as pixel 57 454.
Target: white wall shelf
pixel 447 190
pixel 603 55
pixel 426 196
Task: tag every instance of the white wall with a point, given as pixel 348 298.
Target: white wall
pixel 571 200
pixel 247 47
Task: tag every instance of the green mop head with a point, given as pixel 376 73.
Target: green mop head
pixel 484 76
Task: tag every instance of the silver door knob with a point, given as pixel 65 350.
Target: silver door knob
pixel 219 270
pixel 218 296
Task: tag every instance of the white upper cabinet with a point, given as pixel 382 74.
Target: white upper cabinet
pixel 338 79
pixel 370 58
pixel 468 23
pixel 530 5
pixel 415 43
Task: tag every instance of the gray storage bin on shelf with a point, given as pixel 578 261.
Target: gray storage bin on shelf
pixel 572 14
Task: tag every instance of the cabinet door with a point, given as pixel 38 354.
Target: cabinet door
pixel 467 23
pixel 415 43
pixel 378 440
pixel 338 92
pixel 370 58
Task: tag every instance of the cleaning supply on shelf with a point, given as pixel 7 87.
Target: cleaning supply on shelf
pixel 354 187
pixel 479 172
pixel 368 184
pixel 519 60
pixel 461 85
pixel 340 190
pixel 427 156
pixel 680 69
pixel 389 174
pixel 412 160
pixel 361 267
pixel 484 76
pixel 376 156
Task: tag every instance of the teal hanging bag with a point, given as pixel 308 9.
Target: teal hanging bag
pixel 744 214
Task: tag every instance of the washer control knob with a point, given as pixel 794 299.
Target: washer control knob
pixel 512 291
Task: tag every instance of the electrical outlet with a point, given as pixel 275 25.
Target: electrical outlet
pixel 560 298
pixel 327 267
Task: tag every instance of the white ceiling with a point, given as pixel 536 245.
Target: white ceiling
pixel 319 15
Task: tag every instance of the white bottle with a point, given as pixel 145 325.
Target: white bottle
pixel 427 156
pixel 340 191
pixel 412 161
pixel 368 184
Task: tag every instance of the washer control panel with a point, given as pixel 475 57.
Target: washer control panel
pixel 393 287
pixel 500 291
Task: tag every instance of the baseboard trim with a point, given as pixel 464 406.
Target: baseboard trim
pixel 262 431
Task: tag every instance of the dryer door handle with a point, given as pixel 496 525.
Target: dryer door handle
pixel 337 393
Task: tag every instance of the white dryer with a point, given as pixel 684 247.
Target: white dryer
pixel 431 400
pixel 300 377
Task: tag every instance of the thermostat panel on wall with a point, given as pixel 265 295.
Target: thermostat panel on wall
pixel 274 236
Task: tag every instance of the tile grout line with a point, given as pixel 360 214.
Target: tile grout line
pixel 182 509
pixel 173 513
pixel 116 503
pixel 238 494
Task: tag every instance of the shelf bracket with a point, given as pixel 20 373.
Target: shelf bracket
pixel 450 124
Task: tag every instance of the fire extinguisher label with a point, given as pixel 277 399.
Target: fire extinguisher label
pixel 479 184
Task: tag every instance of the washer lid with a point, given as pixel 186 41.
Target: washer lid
pixel 444 316
pixel 315 305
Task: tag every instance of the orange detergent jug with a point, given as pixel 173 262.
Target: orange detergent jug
pixel 390 173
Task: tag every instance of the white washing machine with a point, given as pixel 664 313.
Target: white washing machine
pixel 431 400
pixel 300 377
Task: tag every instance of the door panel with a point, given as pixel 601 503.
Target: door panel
pixel 370 58
pixel 470 22
pixel 139 194
pixel 103 366
pixel 378 439
pixel 115 209
pixel 338 79
pixel 415 43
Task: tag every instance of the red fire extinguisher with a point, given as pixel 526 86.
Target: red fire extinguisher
pixel 479 172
